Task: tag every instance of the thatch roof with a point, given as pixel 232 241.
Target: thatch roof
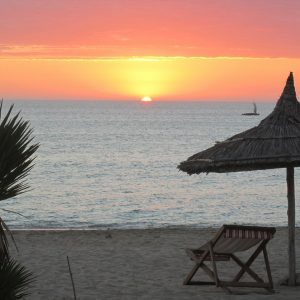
pixel 274 143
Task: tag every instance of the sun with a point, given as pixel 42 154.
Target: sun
pixel 146 99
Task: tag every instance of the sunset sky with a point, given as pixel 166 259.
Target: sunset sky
pixel 165 49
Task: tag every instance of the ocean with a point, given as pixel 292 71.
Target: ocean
pixel 114 165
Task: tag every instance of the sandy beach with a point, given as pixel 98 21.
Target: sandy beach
pixel 134 264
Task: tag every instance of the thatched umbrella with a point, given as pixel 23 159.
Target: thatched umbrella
pixel 274 143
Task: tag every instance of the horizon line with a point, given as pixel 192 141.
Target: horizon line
pixel 139 100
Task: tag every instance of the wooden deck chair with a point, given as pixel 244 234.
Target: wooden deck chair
pixel 229 240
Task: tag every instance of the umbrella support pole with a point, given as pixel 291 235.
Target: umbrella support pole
pixel 291 225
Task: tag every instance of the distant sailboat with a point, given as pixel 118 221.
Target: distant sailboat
pixel 254 113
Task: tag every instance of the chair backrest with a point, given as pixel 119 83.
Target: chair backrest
pixel 235 238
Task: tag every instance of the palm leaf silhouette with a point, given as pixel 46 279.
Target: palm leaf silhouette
pixel 14 280
pixel 16 161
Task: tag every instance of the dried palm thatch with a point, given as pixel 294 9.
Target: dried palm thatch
pixel 274 143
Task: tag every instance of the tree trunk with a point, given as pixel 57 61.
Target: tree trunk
pixel 291 225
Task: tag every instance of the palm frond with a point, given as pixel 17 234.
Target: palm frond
pixel 15 280
pixel 16 154
pixel 4 230
pixel 3 242
pixel 16 161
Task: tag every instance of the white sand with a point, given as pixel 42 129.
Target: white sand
pixel 134 264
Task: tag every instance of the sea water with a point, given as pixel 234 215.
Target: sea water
pixel 113 164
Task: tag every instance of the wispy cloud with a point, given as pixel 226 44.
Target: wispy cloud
pixel 80 52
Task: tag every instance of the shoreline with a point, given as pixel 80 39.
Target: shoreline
pixel 175 227
pixel 133 264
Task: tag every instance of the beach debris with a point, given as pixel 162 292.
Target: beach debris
pixel 71 275
pixel 14 212
pixel 108 234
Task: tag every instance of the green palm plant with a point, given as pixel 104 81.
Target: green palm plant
pixel 16 161
pixel 15 154
pixel 14 280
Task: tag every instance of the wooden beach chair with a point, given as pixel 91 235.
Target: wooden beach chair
pixel 229 240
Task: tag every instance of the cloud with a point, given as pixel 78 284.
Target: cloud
pixel 110 52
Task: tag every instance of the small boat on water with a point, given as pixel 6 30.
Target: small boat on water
pixel 254 113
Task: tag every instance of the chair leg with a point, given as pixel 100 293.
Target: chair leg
pixel 250 261
pixel 195 268
pixel 268 268
pixel 191 274
pixel 210 274
pixel 214 266
pixel 214 274
pixel 246 269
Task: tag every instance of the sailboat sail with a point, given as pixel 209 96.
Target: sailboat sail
pixel 255 108
pixel 254 113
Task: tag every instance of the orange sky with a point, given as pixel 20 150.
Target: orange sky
pixel 166 49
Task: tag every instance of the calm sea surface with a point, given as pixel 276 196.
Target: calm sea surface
pixel 113 164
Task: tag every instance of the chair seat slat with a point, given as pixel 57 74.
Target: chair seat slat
pixel 248 234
